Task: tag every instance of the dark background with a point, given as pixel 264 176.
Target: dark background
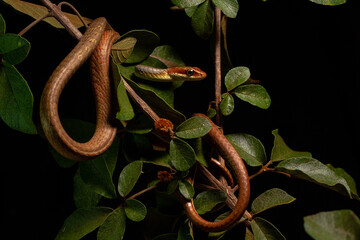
pixel 306 55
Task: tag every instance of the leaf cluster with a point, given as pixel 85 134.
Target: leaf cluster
pixel 98 179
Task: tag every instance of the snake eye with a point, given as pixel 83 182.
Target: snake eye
pixel 190 72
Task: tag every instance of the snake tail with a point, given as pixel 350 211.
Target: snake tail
pixel 217 139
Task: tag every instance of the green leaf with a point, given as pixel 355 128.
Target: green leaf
pixel 146 41
pixel 140 124
pixel 202 153
pixel 202 21
pixel 229 7
pixel 172 186
pixel 249 235
pixel 128 177
pixel 186 3
pixel 2 26
pixel 14 48
pixel 182 156
pixel 135 146
pixel 254 94
pixel 113 227
pixel 185 232
pixel 122 49
pixel 264 230
pixel 207 200
pixel 227 104
pixel 16 100
pixel 186 189
pixel 269 199
pixel 350 181
pixel 193 127
pixel 250 149
pixel 314 171
pixel 329 2
pixel 337 225
pixel 135 210
pixel 168 53
pixel 98 172
pixel 236 76
pixel 84 194
pixel 211 113
pixel 190 11
pixel 281 151
pixel 126 111
pixel 82 222
pixel 157 158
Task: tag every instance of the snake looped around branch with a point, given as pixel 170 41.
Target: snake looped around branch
pixel 96 43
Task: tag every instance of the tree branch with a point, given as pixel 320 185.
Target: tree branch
pixel 56 12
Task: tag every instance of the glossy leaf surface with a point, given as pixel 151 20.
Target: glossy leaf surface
pixel 146 41
pixel 14 48
pixel 186 3
pixel 314 171
pixel 329 2
pixel 229 7
pixel 254 94
pixel 193 127
pixel 122 49
pixel 281 151
pixel 114 226
pixel 186 189
pixel 264 230
pixel 337 225
pixel 84 194
pixel 128 177
pixel 249 148
pixel 98 172
pixel 202 20
pixel 16 100
pixel 207 200
pixel 182 156
pixel 269 199
pixel 227 104
pixel 83 221
pixel 126 111
pixel 236 76
pixel 135 210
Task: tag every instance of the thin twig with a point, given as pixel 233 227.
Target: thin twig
pixel 75 11
pixel 22 32
pixel 142 192
pixel 141 103
pixel 218 65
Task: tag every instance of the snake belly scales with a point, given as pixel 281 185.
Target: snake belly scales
pixel 96 43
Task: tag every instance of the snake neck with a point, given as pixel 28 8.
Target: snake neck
pixel 152 74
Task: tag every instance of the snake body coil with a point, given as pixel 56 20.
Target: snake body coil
pixel 94 37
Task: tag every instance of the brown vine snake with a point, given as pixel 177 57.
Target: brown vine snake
pixel 97 42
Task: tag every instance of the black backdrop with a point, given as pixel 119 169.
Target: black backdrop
pixel 307 56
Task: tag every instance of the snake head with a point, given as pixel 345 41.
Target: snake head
pixel 186 73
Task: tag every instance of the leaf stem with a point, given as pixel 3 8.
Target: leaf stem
pixel 142 192
pixel 31 25
pixel 75 11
